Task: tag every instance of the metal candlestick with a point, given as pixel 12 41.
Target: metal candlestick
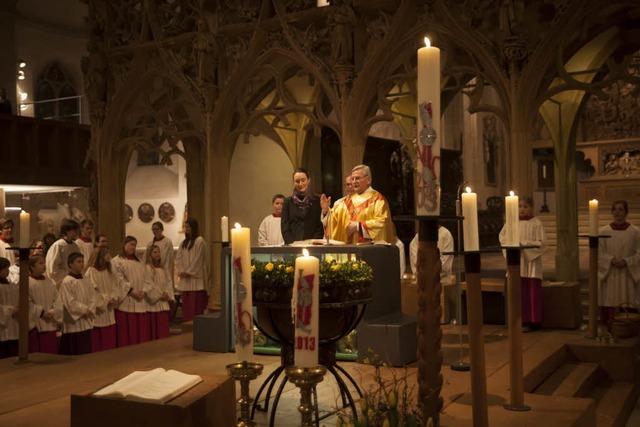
pixel 459 365
pixel 245 372
pixel 306 380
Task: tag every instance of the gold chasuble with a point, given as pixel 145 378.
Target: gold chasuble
pixel 370 210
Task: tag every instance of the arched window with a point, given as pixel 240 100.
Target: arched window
pixel 52 87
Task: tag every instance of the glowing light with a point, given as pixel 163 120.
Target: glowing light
pixel 511 193
pixel 305 252
pixel 22 64
pixel 468 189
pixel 237 226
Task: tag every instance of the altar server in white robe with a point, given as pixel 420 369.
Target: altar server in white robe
pixel 132 320
pixel 531 234
pixel 6 240
pixel 9 311
pixel 270 232
pixel 44 295
pixel 85 240
pixel 78 298
pixel 58 253
pixel 167 254
pixel 192 271
pixel 618 264
pixel 445 244
pixel 159 294
pixel 109 295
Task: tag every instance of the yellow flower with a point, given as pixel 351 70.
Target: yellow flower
pixel 289 269
pixel 335 267
pixel 268 267
pixel 281 267
pixel 253 268
pixel 356 266
pixel 328 258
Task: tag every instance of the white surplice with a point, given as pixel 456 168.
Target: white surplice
pixel 130 274
pixel 167 255
pixel 107 288
pixel 619 285
pixel 194 262
pixel 57 257
pixel 9 301
pixel 158 283
pixel 44 294
pixel 270 232
pixel 531 234
pixel 7 253
pixel 78 298
pixel 445 244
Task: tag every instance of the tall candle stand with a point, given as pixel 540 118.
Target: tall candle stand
pixel 594 241
pixel 459 365
pixel 306 380
pixel 472 263
pixel 245 372
pixel 23 304
pixel 514 322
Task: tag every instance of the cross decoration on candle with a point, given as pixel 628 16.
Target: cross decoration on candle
pixel 305 310
pixel 241 254
pixel 428 125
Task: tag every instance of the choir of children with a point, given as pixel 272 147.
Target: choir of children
pixel 83 301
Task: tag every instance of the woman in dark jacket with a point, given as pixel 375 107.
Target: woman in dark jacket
pixel 301 212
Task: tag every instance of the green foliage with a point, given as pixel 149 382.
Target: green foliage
pixel 332 273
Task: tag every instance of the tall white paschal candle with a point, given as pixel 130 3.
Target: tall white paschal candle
pixel 512 220
pixel 470 222
pixel 306 310
pixel 25 225
pixel 593 218
pixel 242 298
pixel 428 93
pixel 224 229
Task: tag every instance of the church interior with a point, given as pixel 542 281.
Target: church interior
pixel 255 193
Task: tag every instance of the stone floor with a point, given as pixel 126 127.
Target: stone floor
pixel 37 393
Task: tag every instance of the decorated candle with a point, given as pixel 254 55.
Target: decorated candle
pixel 470 222
pixel 25 223
pixel 593 218
pixel 511 220
pixel 428 131
pixel 243 307
pixel 305 310
pixel 224 229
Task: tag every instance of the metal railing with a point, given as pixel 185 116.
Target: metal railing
pixel 56 108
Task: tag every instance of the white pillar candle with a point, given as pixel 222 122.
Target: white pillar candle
pixel 2 202
pixel 25 223
pixel 544 171
pixel 428 172
pixel 306 310
pixel 322 3
pixel 470 222
pixel 224 229
pixel 242 298
pixel 512 220
pixel 593 218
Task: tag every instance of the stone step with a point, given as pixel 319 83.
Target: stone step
pixel 580 381
pixel 615 401
pixel 543 368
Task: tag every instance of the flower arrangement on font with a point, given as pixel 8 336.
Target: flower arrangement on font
pixel 273 281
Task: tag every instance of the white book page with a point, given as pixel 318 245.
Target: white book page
pixel 163 387
pixel 122 386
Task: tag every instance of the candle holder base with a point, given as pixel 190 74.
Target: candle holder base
pixel 460 366
pixel 516 408
pixel 306 380
pixel 245 372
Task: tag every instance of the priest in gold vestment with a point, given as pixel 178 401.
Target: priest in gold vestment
pixel 363 216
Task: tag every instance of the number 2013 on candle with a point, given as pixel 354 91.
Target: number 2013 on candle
pixel 306 343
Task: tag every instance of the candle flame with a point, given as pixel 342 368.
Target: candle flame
pixel 237 225
pixel 427 42
pixel 594 200
pixel 468 189
pixel 511 193
pixel 305 252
